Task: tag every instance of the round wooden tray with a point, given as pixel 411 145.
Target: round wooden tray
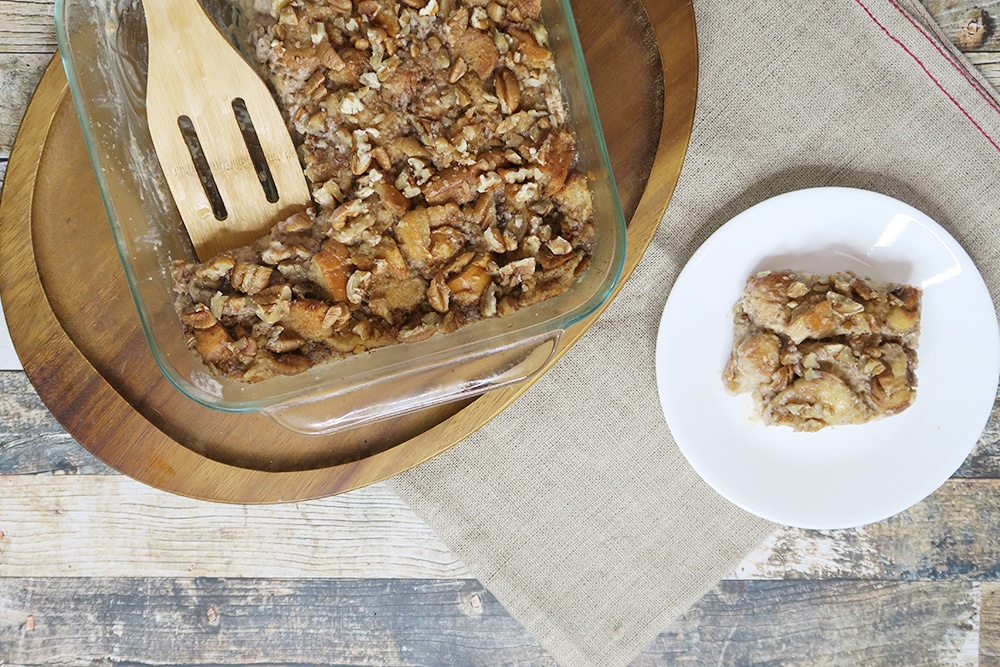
pixel 76 331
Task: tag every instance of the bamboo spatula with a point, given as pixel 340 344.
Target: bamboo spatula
pixel 222 143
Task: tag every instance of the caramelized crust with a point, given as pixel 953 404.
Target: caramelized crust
pixel 435 139
pixel 817 351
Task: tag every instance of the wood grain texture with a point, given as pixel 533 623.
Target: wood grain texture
pixel 971 26
pixel 31 440
pixel 988 64
pixel 19 75
pixel 833 624
pixel 26 27
pixel 109 525
pixel 87 621
pixel 984 461
pixel 989 625
pixel 205 621
pixel 950 535
pixel 195 73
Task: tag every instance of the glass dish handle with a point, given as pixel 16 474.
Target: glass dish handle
pixel 418 388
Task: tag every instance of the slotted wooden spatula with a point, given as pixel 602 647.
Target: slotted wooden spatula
pixel 222 143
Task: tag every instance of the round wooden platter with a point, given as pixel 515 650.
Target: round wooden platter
pixel 76 331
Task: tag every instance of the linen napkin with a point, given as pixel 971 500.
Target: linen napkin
pixel 575 507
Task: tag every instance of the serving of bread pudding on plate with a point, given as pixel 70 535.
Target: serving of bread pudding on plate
pixel 824 350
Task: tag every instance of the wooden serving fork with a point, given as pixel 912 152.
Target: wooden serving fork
pixel 222 143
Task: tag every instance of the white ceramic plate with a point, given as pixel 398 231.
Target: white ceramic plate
pixel 848 475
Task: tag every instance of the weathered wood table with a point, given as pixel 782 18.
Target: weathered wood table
pixel 96 568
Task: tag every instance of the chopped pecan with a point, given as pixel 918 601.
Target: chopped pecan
pixel 438 294
pixel 517 271
pixel 357 286
pixel 469 285
pixel 336 317
pixel 217 268
pixel 392 198
pixel 199 317
pixel 250 278
pixel 284 342
pixel 508 91
pixel 534 55
pixel 446 244
pixel 457 71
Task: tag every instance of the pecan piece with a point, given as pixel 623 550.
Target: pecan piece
pixel 517 271
pixel 217 268
pixel 469 285
pixel 438 294
pixel 250 278
pixel 392 198
pixel 534 55
pixel 446 244
pixel 199 317
pixel 508 91
pixel 357 286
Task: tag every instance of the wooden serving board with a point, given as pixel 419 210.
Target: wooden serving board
pixel 76 330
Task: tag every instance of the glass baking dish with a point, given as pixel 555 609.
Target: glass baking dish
pixel 102 45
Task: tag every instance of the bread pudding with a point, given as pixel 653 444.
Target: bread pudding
pixel 817 351
pixel 435 139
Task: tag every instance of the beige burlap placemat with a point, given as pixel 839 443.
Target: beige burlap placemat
pixel 575 507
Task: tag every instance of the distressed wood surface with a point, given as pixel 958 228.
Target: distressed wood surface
pixel 829 623
pixel 26 27
pixel 989 624
pixel 96 569
pixel 109 525
pixel 250 621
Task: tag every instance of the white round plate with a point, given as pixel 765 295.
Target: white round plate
pixel 842 476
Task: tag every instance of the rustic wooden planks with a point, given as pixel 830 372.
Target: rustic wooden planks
pixel 829 623
pixel 971 26
pixel 200 621
pixel 31 441
pixel 989 625
pixel 952 535
pixel 457 622
pixel 26 26
pixel 19 74
pixel 109 525
pixel 93 566
pixel 57 525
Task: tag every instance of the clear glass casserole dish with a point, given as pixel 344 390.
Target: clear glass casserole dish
pixel 102 45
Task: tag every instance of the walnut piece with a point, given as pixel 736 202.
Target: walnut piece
pixel 817 351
